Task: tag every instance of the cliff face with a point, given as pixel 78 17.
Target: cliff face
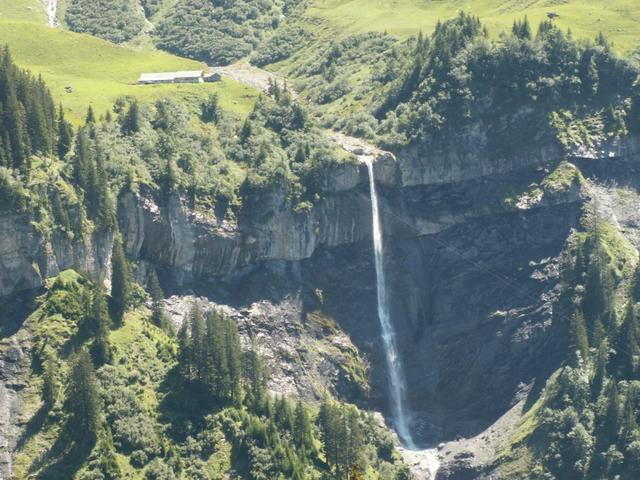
pixel 27 257
pixel 472 257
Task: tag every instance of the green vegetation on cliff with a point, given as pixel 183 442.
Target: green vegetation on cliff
pixel 116 21
pixel 126 418
pixel 218 32
pixel 586 423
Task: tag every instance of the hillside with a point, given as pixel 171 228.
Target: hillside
pixel 616 19
pixel 399 240
pixel 99 72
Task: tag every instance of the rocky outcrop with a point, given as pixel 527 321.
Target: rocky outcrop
pixel 28 256
pixel 473 264
pixel 306 354
pixel 14 364
pixel 196 248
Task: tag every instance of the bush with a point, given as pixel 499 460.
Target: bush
pixel 284 43
pixel 216 32
pixel 113 20
pixel 158 470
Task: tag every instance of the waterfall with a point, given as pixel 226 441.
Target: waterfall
pixel 397 383
pixel 52 10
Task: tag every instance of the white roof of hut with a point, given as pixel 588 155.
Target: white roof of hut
pixel 169 76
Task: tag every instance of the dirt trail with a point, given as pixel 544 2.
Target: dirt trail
pixel 252 76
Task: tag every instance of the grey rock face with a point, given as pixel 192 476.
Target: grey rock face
pixel 27 257
pixel 305 354
pixel 473 279
pixel 15 361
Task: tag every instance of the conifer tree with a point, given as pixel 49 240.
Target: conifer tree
pixel 158 315
pixel 601 369
pixel 60 214
pixel 257 397
pixel 210 109
pixel 82 159
pixel 198 349
pixel 522 29
pixel 50 383
pixel 303 431
pixel 283 414
pixel 579 338
pixel 120 282
pixel 65 135
pixel 99 198
pixel 131 120
pixel 91 117
pixel 184 350
pixel 233 356
pixel 612 417
pixel 100 323
pixel 27 116
pixel 629 423
pixel 83 401
pixel 627 343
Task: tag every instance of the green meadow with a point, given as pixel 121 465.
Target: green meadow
pixel 618 19
pixel 82 70
pixel 32 10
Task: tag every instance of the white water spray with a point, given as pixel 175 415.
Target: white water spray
pixel 52 10
pixel 394 365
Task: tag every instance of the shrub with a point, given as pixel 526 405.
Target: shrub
pixel 113 20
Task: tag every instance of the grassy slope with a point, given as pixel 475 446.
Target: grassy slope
pixel 99 71
pixel 618 19
pixel 32 10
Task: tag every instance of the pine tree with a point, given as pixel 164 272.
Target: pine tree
pixel 612 417
pixel 100 322
pixel 90 118
pixel 600 374
pixel 522 29
pixel 99 201
pixel 257 397
pixel 131 120
pixel 120 282
pixel 158 315
pixel 283 414
pixel 329 420
pixel 303 431
pixel 198 350
pixel 184 351
pixel 629 422
pixel 50 383
pixel 579 338
pixel 82 159
pixel 83 401
pixel 597 302
pixel 627 343
pixel 233 355
pixel 60 214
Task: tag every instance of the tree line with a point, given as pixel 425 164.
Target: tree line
pixel 589 424
pixel 27 114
